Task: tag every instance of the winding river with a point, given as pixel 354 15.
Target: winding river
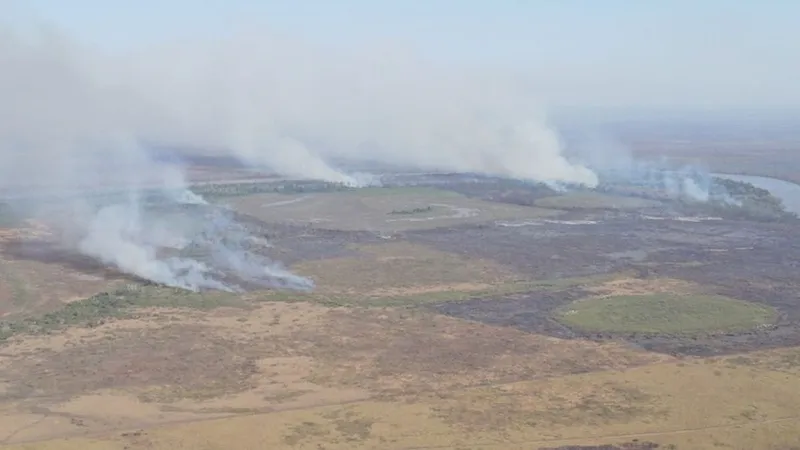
pixel 787 191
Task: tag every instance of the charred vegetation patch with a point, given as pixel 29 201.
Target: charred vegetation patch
pixel 746 260
pixel 50 252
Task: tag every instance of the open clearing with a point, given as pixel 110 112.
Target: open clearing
pixel 381 209
pixel 665 313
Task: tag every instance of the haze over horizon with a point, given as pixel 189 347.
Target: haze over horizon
pixel 708 54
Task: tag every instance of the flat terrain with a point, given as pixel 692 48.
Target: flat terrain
pixel 34 278
pixel 381 209
pixel 439 321
pixel 665 313
pixel 592 200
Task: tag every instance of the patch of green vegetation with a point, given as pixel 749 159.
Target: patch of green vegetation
pixel 426 209
pixel 95 310
pixel 173 394
pixel 664 313
pixel 215 191
pixel 502 190
pixel 123 302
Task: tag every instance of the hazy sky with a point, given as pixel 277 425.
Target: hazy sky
pixel 591 52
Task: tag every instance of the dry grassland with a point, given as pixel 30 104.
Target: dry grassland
pixel 697 404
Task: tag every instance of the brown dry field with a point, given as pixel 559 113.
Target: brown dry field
pixel 304 376
pixel 292 372
pixel 401 269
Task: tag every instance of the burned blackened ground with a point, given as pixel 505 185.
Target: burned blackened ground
pixel 750 261
pixel 559 249
pixel 530 311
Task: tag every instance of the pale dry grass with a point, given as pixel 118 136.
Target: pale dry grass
pixel 397 352
pixel 169 365
pixel 693 404
pixel 403 269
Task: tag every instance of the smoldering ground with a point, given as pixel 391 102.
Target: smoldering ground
pixel 165 236
pixel 73 121
pixel 71 157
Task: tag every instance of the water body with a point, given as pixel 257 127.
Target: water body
pixel 787 191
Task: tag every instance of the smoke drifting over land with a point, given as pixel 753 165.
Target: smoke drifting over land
pixel 70 153
pixel 292 107
pixel 614 164
pixel 72 122
pixel 282 105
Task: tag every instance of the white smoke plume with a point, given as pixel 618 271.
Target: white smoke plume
pixel 72 121
pixel 69 153
pixel 292 107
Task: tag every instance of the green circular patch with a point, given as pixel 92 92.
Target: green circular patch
pixel 665 313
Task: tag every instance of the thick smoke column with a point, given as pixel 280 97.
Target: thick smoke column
pixel 291 107
pixel 70 156
pixel 72 122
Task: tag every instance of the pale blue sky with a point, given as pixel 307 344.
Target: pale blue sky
pixel 715 51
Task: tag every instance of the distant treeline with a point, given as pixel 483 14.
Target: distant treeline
pixel 280 187
pixel 412 211
pixel 738 199
pixel 501 190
